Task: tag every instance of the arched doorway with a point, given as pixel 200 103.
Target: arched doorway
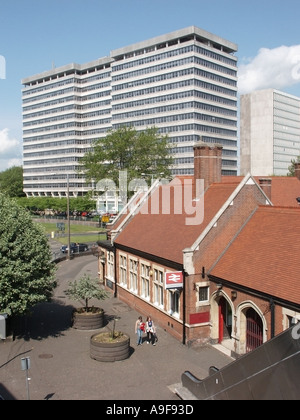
pixel 254 330
pixel 225 320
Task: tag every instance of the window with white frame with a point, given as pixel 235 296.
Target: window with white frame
pixel 123 270
pixel 174 302
pixel 110 265
pixel 133 275
pixel 158 286
pixel 145 281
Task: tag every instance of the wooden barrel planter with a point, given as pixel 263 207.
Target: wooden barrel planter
pixel 109 351
pixel 88 320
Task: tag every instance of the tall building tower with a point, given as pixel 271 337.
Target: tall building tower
pixel 269 132
pixel 183 83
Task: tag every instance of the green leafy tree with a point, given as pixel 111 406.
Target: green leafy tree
pixel 85 289
pixel 27 275
pixel 126 149
pixel 11 182
pixel 292 166
pixel 59 204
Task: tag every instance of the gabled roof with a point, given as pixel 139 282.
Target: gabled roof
pixel 265 255
pixel 284 191
pixel 166 235
pixel 130 209
pixel 125 212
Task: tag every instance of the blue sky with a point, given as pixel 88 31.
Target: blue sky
pixel 37 34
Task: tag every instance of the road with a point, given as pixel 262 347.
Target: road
pixel 56 246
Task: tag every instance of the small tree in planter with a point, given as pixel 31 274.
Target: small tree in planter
pixel 110 346
pixel 86 288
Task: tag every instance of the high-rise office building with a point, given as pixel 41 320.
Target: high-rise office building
pixel 269 132
pixel 183 83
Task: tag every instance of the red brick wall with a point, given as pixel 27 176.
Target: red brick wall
pixel 164 321
pixel 208 163
pixel 160 317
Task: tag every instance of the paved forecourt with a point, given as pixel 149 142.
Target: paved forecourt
pixel 60 364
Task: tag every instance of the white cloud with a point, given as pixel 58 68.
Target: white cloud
pixel 14 162
pixel 275 68
pixel 10 150
pixel 7 145
pixel 6 164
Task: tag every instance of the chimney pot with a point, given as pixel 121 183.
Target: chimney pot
pixel 207 163
pixel 266 186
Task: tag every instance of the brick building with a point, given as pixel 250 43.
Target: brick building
pixel 190 231
pixel 257 280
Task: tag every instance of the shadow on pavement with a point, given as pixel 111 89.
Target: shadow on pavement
pixel 5 394
pixel 45 320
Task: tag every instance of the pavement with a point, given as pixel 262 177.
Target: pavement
pixel 60 364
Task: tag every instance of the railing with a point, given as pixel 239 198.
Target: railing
pixel 270 372
pixel 75 219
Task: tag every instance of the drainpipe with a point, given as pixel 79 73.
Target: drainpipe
pixel 272 307
pixel 115 267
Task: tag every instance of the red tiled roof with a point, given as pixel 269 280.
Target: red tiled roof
pixel 265 255
pixel 114 225
pixel 284 190
pixel 124 213
pixel 166 235
pixel 229 179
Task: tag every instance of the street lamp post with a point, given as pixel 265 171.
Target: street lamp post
pixel 25 365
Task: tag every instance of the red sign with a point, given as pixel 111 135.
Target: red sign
pixel 174 280
pixel 199 318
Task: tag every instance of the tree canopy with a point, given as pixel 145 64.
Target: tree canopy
pixel 27 275
pixel 60 204
pixel 11 182
pixel 144 152
pixel 292 166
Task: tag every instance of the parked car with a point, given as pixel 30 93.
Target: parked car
pixel 75 247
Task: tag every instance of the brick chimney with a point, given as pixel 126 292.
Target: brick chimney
pixel 208 163
pixel 266 185
pixel 297 170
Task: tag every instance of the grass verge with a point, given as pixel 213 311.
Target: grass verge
pixel 79 233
